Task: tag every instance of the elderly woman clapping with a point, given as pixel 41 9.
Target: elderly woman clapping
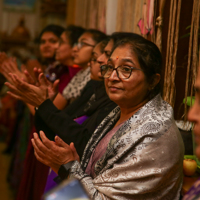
pixel 137 151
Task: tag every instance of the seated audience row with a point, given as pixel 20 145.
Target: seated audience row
pixel 114 133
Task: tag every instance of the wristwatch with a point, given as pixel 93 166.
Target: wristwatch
pixel 63 171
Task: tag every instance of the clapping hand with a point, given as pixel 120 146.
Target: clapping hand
pixel 32 94
pixel 3 57
pixel 9 65
pixel 53 154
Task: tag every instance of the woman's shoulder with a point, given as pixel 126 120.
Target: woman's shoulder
pixel 159 105
pixel 155 109
pixel 156 118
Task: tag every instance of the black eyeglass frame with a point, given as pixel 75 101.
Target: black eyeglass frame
pixel 132 68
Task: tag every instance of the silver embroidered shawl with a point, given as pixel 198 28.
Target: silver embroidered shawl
pixel 143 159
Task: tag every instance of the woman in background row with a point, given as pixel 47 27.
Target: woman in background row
pixel 129 156
pixel 64 71
pixel 32 185
pixel 82 53
pixel 33 167
pixel 49 39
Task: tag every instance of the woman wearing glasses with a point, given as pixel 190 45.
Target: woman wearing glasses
pixel 137 151
pixel 82 52
pixel 61 69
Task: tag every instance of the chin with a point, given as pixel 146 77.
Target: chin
pixel 76 62
pixel 115 98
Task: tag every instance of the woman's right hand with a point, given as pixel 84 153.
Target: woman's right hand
pixel 50 153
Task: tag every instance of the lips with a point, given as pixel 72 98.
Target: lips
pixel 114 88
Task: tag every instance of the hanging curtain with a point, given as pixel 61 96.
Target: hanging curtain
pixel 91 14
pixel 146 22
pixel 80 15
pixel 129 12
pixel 101 20
pixel 71 11
pixel 172 46
pixel 159 24
pixel 193 62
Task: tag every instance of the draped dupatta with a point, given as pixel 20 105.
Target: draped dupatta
pixel 143 160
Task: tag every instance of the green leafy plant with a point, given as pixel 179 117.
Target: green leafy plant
pixel 188 34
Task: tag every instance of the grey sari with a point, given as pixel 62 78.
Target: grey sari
pixel 143 160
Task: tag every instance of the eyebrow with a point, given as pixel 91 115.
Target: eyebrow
pixel 94 53
pixel 124 59
pixel 128 60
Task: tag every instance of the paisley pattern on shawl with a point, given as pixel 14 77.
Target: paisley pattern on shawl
pixel 143 160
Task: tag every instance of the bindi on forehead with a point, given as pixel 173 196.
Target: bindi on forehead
pixel 114 59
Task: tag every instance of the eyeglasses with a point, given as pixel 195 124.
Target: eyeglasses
pixel 123 72
pixel 81 44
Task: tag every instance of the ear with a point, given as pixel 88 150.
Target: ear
pixel 156 80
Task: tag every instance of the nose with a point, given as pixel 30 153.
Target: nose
pixel 102 59
pixel 193 114
pixel 114 76
pixel 75 48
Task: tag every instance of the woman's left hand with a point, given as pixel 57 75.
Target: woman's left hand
pixel 53 154
pixel 32 94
